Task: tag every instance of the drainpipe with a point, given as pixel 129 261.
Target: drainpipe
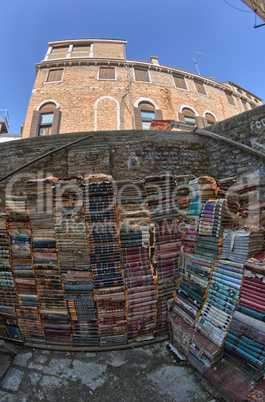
pixel 130 92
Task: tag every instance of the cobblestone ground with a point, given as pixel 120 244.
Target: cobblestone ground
pixel 148 373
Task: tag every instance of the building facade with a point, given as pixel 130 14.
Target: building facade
pixel 90 85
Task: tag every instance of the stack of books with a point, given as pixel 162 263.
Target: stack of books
pixel 53 311
pixel 74 260
pixel 109 291
pixel 9 327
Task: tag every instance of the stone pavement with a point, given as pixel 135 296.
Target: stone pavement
pixel 149 373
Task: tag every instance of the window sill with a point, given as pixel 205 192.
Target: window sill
pixel 182 89
pixel 144 82
pixel 206 95
pixel 52 82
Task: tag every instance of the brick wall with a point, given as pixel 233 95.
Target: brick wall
pixel 108 50
pixel 78 93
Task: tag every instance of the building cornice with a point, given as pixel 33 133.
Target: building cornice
pixel 89 40
pixel 245 90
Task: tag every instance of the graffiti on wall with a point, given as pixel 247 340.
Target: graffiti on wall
pixel 257 124
pixel 175 161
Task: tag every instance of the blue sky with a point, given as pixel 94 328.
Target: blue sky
pixel 221 38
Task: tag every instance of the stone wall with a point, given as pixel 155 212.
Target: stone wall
pixel 133 154
pixel 247 128
pixel 122 154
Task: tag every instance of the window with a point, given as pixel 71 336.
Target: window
pixel 141 75
pixel 58 52
pixel 80 51
pixel 147 114
pixel 55 75
pixel 46 119
pixel 210 118
pixel 189 116
pixel 106 73
pixel 180 82
pixel 230 99
pixel 200 88
pixel 244 103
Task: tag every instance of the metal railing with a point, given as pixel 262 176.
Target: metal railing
pixel 4 118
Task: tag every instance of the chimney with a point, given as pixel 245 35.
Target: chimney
pixel 154 60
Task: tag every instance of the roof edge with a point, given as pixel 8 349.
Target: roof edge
pixel 82 40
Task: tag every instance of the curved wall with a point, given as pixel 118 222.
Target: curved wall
pixel 54 252
pixel 86 78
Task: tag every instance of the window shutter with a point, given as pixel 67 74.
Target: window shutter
pixel 107 73
pixel 137 118
pixel 34 128
pixel 59 49
pixel 209 119
pixel 181 118
pixel 141 75
pixel 179 82
pixel 200 88
pixel 199 121
pixel 58 52
pixel 230 99
pixel 244 103
pixel 159 115
pixel 56 121
pixel 81 48
pixel 55 75
pixel 188 112
pixel 205 122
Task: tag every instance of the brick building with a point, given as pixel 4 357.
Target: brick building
pixel 90 85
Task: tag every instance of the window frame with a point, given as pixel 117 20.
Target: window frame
pixel 54 69
pixel 184 79
pixel 145 120
pixel 45 125
pixel 80 53
pixel 58 55
pixel 245 105
pixel 143 69
pixel 210 114
pixel 230 96
pixel 192 115
pixel 107 79
pixel 204 87
pixel 149 108
pixel 51 55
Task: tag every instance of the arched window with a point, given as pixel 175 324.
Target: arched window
pixel 189 116
pixel 147 114
pixel 210 119
pixel 46 119
pixel 145 111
